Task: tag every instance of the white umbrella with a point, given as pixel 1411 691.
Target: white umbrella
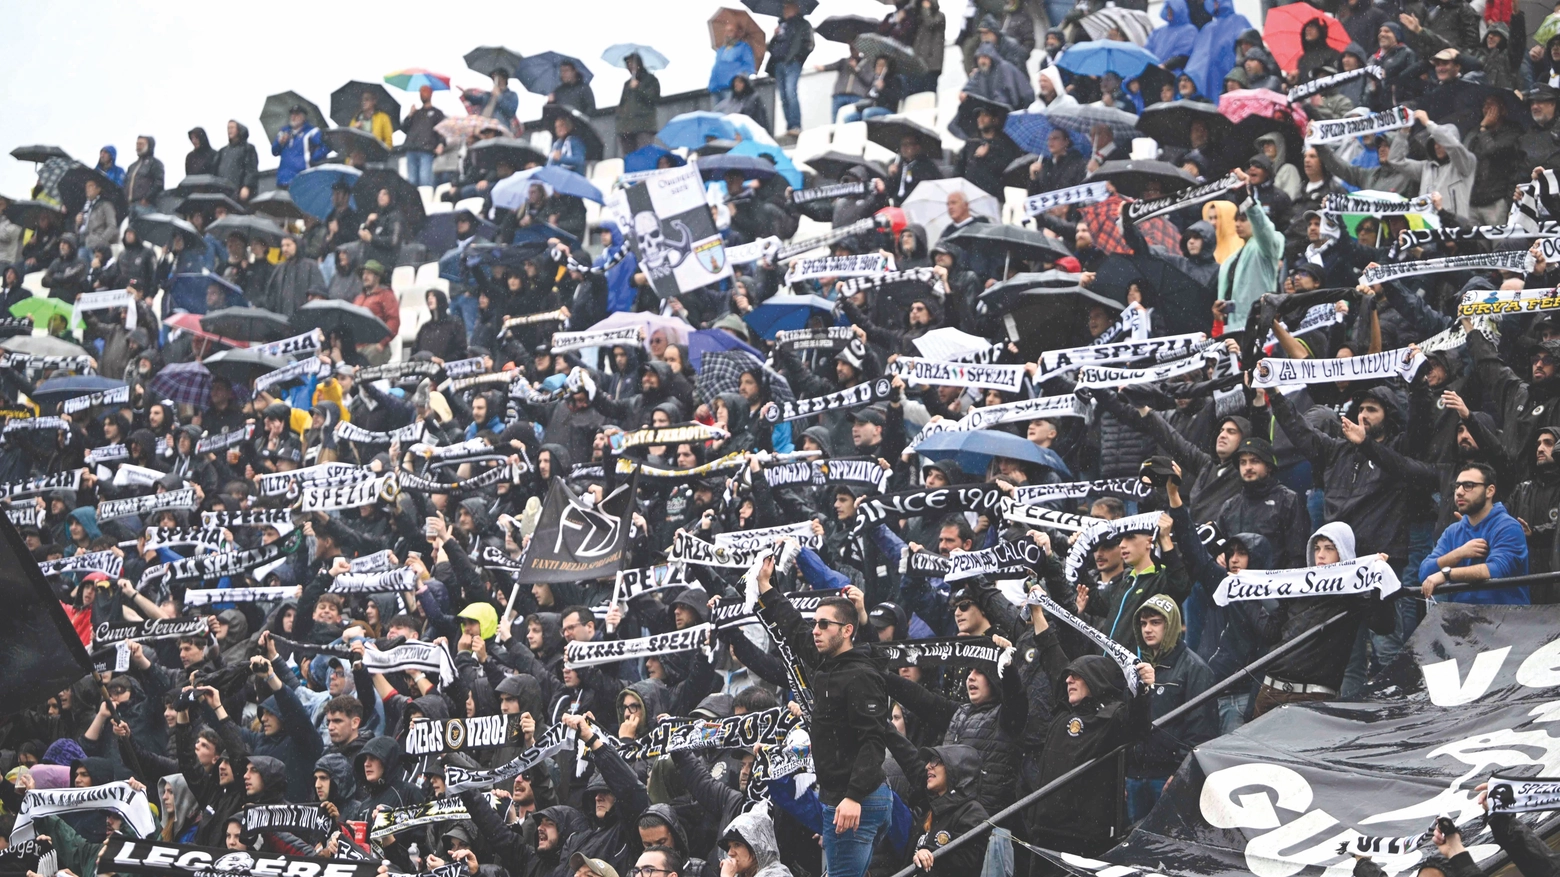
pixel 676 330
pixel 1134 25
pixel 750 129
pixel 948 344
pixel 927 206
pixel 511 192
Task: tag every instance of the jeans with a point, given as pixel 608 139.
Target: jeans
pixel 465 306
pixel 1316 506
pixel 1232 711
pixel 1142 794
pixel 1358 669
pixel 854 115
pixel 849 854
pixel 787 75
pixel 999 854
pixel 419 167
pixel 841 101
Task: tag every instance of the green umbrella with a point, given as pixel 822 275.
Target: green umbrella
pixel 41 309
pixel 1546 29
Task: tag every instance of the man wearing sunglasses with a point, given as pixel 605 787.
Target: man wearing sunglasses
pixel 1487 543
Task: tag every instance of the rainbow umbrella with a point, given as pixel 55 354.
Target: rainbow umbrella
pixel 414 78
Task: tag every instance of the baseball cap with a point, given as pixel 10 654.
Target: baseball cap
pixel 596 866
pixel 871 414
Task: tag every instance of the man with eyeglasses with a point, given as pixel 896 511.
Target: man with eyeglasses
pixel 658 862
pixel 1487 543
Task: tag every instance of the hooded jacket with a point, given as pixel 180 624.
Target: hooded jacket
pixel 444 335
pixel 695 867
pixel 1003 83
pixel 238 163
pixel 297 746
pixel 1537 501
pixel 1522 406
pixel 343 785
pixel 1271 509
pixel 390 790
pixel 1178 36
pixel 144 178
pixel 1507 557
pixel 1453 178
pixel 1179 675
pixel 235 646
pixel 178 826
pixel 757 829
pixel 216 801
pixel 614 837
pixel 1285 176
pixel 956 811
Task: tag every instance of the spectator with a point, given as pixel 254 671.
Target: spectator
pixel 144 177
pixel 732 58
pixel 790 45
pixel 201 159
pixel 1179 676
pixel 573 91
pixel 636 121
pixel 1485 543
pixel 299 145
pixel 238 163
pixel 372 119
pixel 423 140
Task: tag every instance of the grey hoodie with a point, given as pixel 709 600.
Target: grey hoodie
pixel 757 830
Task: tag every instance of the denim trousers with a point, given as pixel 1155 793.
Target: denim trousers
pixel 847 855
pixel 419 167
pixel 787 75
pixel 1142 794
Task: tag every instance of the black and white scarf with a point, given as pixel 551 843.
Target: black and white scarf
pixel 1132 325
pixel 861 265
pixel 1317 317
pixel 924 274
pixel 578 654
pixel 309 342
pixel 309 821
pixel 943 651
pixel 1106 377
pixel 106 300
pixel 1000 558
pixel 729 615
pixel 183 537
pixel 461 368
pixel 692 734
pixel 183 498
pixel 1538 196
pixel 1409 238
pixel 865 393
pixel 557 316
pixel 247 518
pixel 27 362
pixel 301 370
pixel 207 596
pixel 394 371
pixel 427 736
pixel 1117 652
pixel 1516 261
pixel 494 557
pixel 494 475
pixel 24 517
pixel 116 396
pixel 155 629
pixel 408 434
pixel 395 820
pixel 164 859
pixel 1358 576
pixel 1137 211
pixel 287 483
pixel 683 433
pixel 796 248
pixel 1160 349
pixel 391 581
pixel 379 561
pixel 1498 302
pixel 554 740
pixel 978 498
pixel 1088 193
pixel 1042 517
pixel 430 658
pixel 70 480
pixel 1401 363
pixel 224 440
pixel 828 337
pixel 1339 130
pixel 220 564
pixel 820 472
pixel 763 537
pixel 687 548
pixel 1008 378
pixel 1030 494
pixel 1519 795
pixel 1322 83
pixel 733 460
pixel 106 562
pixel 106 454
pixel 828 193
pixel 563 342
pixel 456 453
pixel 32 856
pixel 1147 522
pixel 332 497
pixel 334 650
pixel 1047 407
pixel 631 583
pixel 35 423
pixel 122 798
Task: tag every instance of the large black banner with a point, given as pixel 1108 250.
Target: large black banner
pixel 40 653
pixel 1285 794
pixel 576 543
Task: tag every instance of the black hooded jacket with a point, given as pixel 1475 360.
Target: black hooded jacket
pixel 444 335
pixel 519 858
pixel 389 790
pixel 1522 407
pixel 955 812
pixel 238 163
pixel 614 837
pixel 1273 510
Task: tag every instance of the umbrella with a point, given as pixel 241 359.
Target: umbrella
pixel 1016 174
pixel 1281 32
pixel 1461 103
pixel 41 309
pixel 438 233
pixel 186 383
pixel 774 7
pixel 974 450
pixel 347 141
pixel 277 203
pixel 690 130
pixel 873 46
pixel 541 232
pixel 189 291
pixel 1031 130
pixel 1011 240
pixel 949 343
pixel 241 367
pixel 1131 178
pixel 539 73
pixel 716 167
pixel 1179 300
pixel 845 28
pixel 750 130
pixel 73 190
pixel 247 324
pixel 562 181
pixel 56 390
pixel 32 214
pixel 206 202
pixel 204 183
pixel 346 102
pixel 403 195
pixel 833 165
pixel 161 229
pixel 705 341
pixel 1546 30
pixel 414 78
pixel 185 321
pixel 774 155
pixel 648 158
pixel 517 153
pixel 329 314
pixel 648 57
pixel 888 131
pixel 748 31
pixel 676 330
pixel 456 130
pixel 1134 25
pixel 720 371
pixel 965 120
pixel 1098 57
pixel 487 59
pixel 1170 123
pixel 42 345
pixel 1047 316
pixel 927 206
pixel 274 113
pixel 783 312
pixel 1243 102
pixel 39 153
pixel 715 147
pixel 310 189
pixel 582 128
pixel 1082 119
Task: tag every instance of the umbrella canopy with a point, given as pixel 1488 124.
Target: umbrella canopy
pixel 974 450
pixel 750 130
pixel 274 113
pixel 1098 57
pixel 73 190
pixel 1242 103
pixel 515 152
pixel 716 167
pixel 649 58
pixel 204 183
pixel 690 130
pixel 241 367
pixel 205 203
pixel 1082 119
pixel 845 28
pixel 1132 178
pixel 1281 31
pixel 346 102
pixel 327 315
pixel 772 155
pixel 1011 241
pixel 1048 316
pixel 1031 130
pixel 346 141
pixel 541 232
pixel 277 203
pixel 38 152
pixel 33 214
pixel 247 324
pixel 249 227
pixel 189 291
pixel 414 78
pixel 873 46
pixel 456 130
pixel 310 189
pixel 161 229
pixel 1016 174
pixel 1132 24
pixel 1170 123
pixel 488 59
pixel 40 309
pixel 950 343
pixel 833 165
pixel 927 206
pixel 1457 102
pixel 581 126
pixel 648 158
pixel 188 322
pixel 783 312
pixel 716 147
pixel 748 32
pixel 720 371
pixel 185 383
pixel 41 345
pixel 539 73
pixel 705 341
pixel 966 122
pixel 888 131
pixel 676 330
pixel 56 390
pixel 440 236
pixel 403 195
pixel 774 7
pixel 559 178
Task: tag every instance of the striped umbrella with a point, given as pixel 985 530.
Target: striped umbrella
pixel 414 78
pixel 186 383
pixel 1134 25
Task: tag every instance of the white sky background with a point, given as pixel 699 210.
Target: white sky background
pixel 85 73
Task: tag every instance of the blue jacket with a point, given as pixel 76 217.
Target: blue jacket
pixel 571 152
pixel 621 293
pixel 1178 36
pixel 1213 51
pixel 305 149
pixel 113 171
pixel 731 61
pixel 1508 555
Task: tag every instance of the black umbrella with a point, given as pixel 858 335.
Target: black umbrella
pixel 247 324
pixel 594 148
pixel 276 203
pixel 403 195
pixel 833 165
pixel 873 46
pixel 1047 317
pixel 1131 178
pixel 1240 145
pixel 206 202
pixel 349 140
pixel 964 125
pixel 518 153
pixel 241 366
pixel 274 114
pixel 33 214
pixel 1461 103
pixel 439 236
pixel 775 7
pixel 486 59
pixel 1016 174
pixel 73 190
pixel 161 229
pixel 887 131
pixel 203 183
pixel 1010 240
pixel 248 227
pixel 1170 123
pixel 347 101
pixel 330 314
pixel 39 153
pixel 845 28
pixel 1180 302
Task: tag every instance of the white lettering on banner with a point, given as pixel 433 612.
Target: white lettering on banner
pixel 308 342
pixel 1343 203
pixel 1401 363
pixel 1496 302
pixel 1038 493
pixel 763 537
pixel 1515 261
pixel 915 370
pixel 811 339
pixel 70 480
pixel 563 342
pixel 830 192
pixel 862 265
pixel 850 397
pixel 428 736
pixel 328 497
pixel 1357 576
pixel 1322 83
pixel 1097 377
pixel 1133 324
pixel 1168 347
pixel 1138 211
pixel 578 654
pixel 116 396
pixel 923 274
pixel 286 483
pixel 1088 193
pixel 1338 130
pixel 820 472
pixel 139 505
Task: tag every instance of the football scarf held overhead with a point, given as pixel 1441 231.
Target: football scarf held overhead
pixel 1516 261
pixel 309 342
pixel 461 368
pixel 24 517
pixel 1317 317
pixel 1322 83
pixel 1038 493
pixel 183 499
pixel 1099 377
pixel 865 393
pixel 1047 407
pixel 633 582
pixel 557 316
pixel 31 363
pixel 980 499
pixel 1523 795
pixel 116 396
pixel 330 498
pixel 392 371
pixel 308 821
pixel 163 859
pixel 763 537
pixel 494 557
pixel 106 562
pixel 120 797
pixel 1496 302
pixel 207 596
pixel 554 740
pixel 820 472
pixel 924 274
pixel 184 537
pixel 1339 130
pixel 944 650
pixel 733 460
pixel 728 615
pixel 1008 378
pixel 1088 193
pixel 43 484
pixel 247 518
pixel 578 654
pixel 105 301
pixel 691 734
pixel 220 564
pixel 563 342
pixel 863 265
pixel 826 338
pixel 408 434
pixel 1409 238
pixel 796 248
pixel 379 561
pixel 58 424
pixel 687 548
pixel 1124 659
pixel 301 370
pixel 962 565
pixel 1401 363
pixel 1160 349
pixel 828 193
pixel 491 476
pixel 1132 325
pixel 1137 211
pixel 1342 203
pixel 683 433
pixel 395 820
pixel 1147 522
pixel 430 658
pixel 155 629
pixel 224 440
pixel 392 581
pixel 1040 517
pixel 428 736
pixel 1359 576
pixel 752 251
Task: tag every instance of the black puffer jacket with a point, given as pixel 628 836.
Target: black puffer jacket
pixel 1273 510
pixel 957 810
pixel 1179 675
pixel 994 728
pixel 389 790
pixel 1522 407
pixel 615 837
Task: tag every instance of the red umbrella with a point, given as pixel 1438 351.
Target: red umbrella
pixel 1282 30
pixel 191 323
pixel 1244 102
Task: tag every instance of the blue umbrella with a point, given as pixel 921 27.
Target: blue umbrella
pixel 310 189
pixel 782 312
pixel 57 390
pixel 541 231
pixel 438 233
pixel 702 341
pixel 189 291
pixel 539 73
pixel 690 130
pixel 1098 57
pixel 717 166
pixel 649 57
pixel 782 162
pixel 974 450
pixel 647 158
pixel 563 181
pixel 1030 130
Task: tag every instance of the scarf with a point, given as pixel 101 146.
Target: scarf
pixel 1097 377
pixel 36 856
pixel 495 558
pixel 106 454
pixel 1453 337
pixel 139 505
pixel 247 518
pixel 1147 522
pixel 304 820
pixel 748 253
pixel 693 734
pixel 1495 302
pixel 334 650
pixel 30 363
pixel 1318 317
pixel 413 432
pixel 221 564
pixel 331 497
pixel 563 342
pixel 168 537
pixel 1046 407
pixel 38 423
pixel 163 859
pixel 683 433
pixel 428 736
pixel 733 460
pixel 557 316
pixel 1039 517
pixel 864 265
pixel 820 472
pixel 116 396
pixel 828 193
pixel 103 301
pixel 395 820
pixel 458 452
pixel 127 802
pixel 977 498
pixel 631 583
pixel 865 393
pixel 24 517
pixel 288 483
pixel 1322 83
pixel 1401 363
pixel 1115 651
pixel 829 338
pixel 1418 237
pixel 763 537
pixel 927 275
pixel 155 629
pixel 43 484
pixel 1038 493
pixel 430 658
pixel 301 370
pixel 392 371
pixel 224 440
pixel 1088 193
pixel 1515 795
pixel 1516 261
pixel 790 251
pixel 379 561
pixel 578 654
pixel 726 616
pixel 459 779
pixel 461 368
pixel 488 478
pixel 942 651
pixel 1161 349
pixel 207 596
pixel 106 562
pixel 307 343
pixel 1348 127
pixel 686 548
pixel 1358 576
pixel 392 581
pixel 1000 558
pixel 1340 203
pixel 1008 378
pixel 1137 211
pixel 1133 324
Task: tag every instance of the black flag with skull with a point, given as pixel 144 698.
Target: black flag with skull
pixel 577 539
pixel 674 235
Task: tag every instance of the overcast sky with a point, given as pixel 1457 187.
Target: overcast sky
pixel 92 72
